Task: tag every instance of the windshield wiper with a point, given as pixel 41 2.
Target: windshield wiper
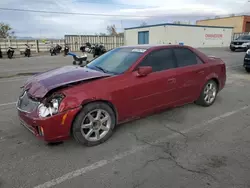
pixel 102 69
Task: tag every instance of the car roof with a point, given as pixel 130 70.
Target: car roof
pixel 151 46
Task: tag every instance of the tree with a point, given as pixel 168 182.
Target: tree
pixel 6 31
pixel 111 30
pixel 231 15
pixel 143 24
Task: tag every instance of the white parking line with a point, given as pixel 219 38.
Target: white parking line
pixel 136 149
pixel 9 103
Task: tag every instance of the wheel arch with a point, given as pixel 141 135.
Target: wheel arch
pixel 216 80
pixel 86 102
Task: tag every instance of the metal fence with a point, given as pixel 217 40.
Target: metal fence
pixel 75 41
pixel 35 45
pixel 236 35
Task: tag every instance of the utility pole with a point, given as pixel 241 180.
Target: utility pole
pixel 122 24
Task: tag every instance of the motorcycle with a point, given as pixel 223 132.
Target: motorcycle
pixel 58 49
pixel 66 50
pixel 83 49
pixel 10 52
pixel 99 50
pixel 27 51
pixel 89 48
pixel 52 51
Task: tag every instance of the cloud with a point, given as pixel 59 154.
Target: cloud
pixel 132 13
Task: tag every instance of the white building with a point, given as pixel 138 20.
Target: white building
pixel 193 35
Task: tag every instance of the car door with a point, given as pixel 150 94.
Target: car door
pixel 190 74
pixel 157 89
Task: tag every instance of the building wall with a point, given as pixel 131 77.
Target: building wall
pixel 246 24
pixel 237 22
pixel 192 36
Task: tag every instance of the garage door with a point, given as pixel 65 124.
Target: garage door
pixel 247 27
pixel 143 37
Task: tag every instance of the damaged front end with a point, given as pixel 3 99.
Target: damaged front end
pixel 50 106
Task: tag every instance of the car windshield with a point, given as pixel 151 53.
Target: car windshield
pixel 117 60
pixel 244 37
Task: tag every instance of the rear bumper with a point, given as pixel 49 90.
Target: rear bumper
pixel 52 129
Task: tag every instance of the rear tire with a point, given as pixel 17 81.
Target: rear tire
pixel 208 94
pixel 247 69
pixel 94 124
pixel 232 49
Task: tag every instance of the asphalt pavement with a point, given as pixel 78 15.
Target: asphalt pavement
pixel 189 147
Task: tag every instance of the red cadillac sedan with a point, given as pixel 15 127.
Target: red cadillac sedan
pixel 126 83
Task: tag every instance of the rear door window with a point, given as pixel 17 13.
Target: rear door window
pixel 186 57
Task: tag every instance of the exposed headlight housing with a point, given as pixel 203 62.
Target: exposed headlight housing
pixel 51 106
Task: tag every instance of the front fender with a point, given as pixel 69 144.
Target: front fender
pixel 70 102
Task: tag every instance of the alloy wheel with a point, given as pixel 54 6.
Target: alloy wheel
pixel 210 92
pixel 95 125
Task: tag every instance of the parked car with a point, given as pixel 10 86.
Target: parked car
pixel 246 63
pixel 123 84
pixel 242 42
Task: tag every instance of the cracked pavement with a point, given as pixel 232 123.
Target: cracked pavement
pixel 185 147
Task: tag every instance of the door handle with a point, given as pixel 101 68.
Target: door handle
pixel 200 72
pixel 171 80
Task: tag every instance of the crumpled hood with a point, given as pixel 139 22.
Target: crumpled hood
pixel 39 85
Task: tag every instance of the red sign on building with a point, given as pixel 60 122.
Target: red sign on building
pixel 213 36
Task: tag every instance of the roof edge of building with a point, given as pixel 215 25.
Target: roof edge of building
pixel 171 24
pixel 223 17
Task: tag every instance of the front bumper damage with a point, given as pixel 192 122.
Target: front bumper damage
pixel 51 129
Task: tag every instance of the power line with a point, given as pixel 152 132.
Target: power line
pixel 100 2
pixel 75 13
pixel 107 3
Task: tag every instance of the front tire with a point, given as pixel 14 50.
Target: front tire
pixel 232 49
pixel 248 70
pixel 94 124
pixel 208 94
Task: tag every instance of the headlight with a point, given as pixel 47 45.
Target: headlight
pixel 51 106
pixel 246 44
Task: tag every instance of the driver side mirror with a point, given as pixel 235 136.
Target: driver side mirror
pixel 144 71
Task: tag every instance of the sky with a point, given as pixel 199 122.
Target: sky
pixel 122 13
